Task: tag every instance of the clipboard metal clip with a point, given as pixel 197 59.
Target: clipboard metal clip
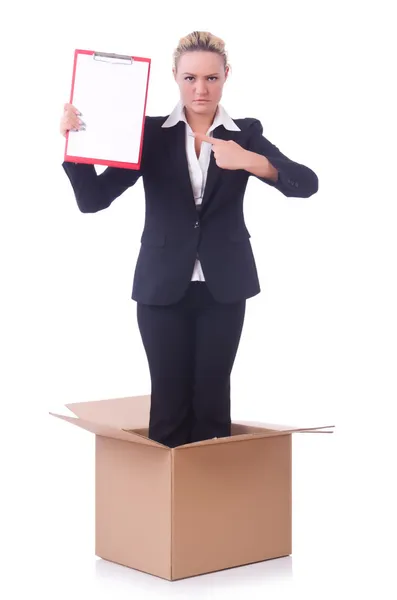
pixel 114 58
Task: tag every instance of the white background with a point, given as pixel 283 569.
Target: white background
pixel 319 345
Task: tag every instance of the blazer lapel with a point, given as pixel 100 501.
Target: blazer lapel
pixel 214 172
pixel 178 151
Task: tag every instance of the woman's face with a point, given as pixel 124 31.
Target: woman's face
pixel 200 77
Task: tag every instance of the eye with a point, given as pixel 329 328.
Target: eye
pixel 190 78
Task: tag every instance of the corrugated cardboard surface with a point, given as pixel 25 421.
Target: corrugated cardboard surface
pixel 133 505
pixel 126 412
pixel 110 431
pixel 231 504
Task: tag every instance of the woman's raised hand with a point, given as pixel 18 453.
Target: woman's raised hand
pixel 70 120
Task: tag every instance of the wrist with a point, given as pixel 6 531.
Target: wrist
pixel 250 160
pixel 259 165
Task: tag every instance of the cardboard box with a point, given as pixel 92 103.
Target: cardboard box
pixel 194 509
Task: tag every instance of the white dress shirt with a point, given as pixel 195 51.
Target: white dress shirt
pixel 198 167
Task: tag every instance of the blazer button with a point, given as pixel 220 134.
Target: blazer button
pixel 196 225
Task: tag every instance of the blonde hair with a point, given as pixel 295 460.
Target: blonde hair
pixel 200 41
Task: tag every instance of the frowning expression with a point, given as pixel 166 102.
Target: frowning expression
pixel 201 76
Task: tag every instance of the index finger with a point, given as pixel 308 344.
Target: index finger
pixel 205 138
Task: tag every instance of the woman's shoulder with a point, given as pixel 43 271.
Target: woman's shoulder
pixel 249 123
pixel 155 120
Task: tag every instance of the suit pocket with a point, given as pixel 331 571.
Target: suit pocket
pixel 153 238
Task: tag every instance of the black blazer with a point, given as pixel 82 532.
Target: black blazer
pixel 175 232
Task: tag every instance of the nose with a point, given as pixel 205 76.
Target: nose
pixel 201 88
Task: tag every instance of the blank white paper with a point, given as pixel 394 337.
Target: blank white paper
pixel 111 97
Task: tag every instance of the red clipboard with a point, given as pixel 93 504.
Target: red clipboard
pixel 87 153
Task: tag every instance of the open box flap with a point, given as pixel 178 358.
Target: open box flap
pixel 129 412
pixel 110 432
pixel 258 433
pixel 256 427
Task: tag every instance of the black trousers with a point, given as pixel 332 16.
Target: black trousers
pixel 191 347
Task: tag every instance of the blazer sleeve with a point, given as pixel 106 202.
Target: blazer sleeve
pixel 294 179
pixel 95 192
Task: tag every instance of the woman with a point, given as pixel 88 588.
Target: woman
pixel 195 268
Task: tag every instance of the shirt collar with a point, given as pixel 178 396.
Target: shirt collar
pixel 221 118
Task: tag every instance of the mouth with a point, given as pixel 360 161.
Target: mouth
pixel 200 101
